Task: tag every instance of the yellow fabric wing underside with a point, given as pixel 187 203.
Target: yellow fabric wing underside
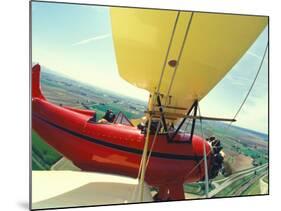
pixel 204 45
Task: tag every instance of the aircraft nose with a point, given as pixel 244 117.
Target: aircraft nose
pixel 217 157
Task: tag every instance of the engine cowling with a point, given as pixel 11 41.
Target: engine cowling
pixel 217 157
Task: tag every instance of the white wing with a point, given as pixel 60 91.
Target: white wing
pixel 54 189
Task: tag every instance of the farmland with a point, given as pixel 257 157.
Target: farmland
pixel 244 149
pixel 43 156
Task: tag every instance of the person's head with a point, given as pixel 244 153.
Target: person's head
pixel 109 116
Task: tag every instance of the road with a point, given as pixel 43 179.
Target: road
pixel 249 184
pixel 234 177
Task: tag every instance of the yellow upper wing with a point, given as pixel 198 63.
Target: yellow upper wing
pixel 204 45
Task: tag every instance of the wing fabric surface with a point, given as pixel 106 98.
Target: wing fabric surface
pixel 58 189
pixel 205 47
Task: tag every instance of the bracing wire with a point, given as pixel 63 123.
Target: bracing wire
pixel 153 142
pixel 151 149
pixel 240 107
pixel 144 156
pixel 179 57
pixel 196 166
pixel 162 73
pixel 161 77
pixel 167 53
pixel 158 88
pixel 205 157
pixel 251 87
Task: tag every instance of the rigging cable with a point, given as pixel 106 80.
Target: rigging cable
pixel 151 149
pixel 153 142
pixel 251 87
pixel 238 111
pixel 143 163
pixel 179 57
pixel 168 51
pixel 159 84
pixel 144 156
pixel 205 157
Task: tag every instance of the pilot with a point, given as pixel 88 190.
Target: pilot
pixel 108 117
pixel 141 125
pixel 153 127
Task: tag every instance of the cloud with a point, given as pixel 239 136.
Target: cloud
pixel 254 114
pixel 85 41
pixel 253 54
pixel 238 80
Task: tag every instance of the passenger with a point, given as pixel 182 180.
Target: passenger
pixel 153 127
pixel 108 117
pixel 141 125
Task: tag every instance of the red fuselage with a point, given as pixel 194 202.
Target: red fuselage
pixel 115 148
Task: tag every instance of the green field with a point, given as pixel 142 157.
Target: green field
pixel 230 141
pixel 196 188
pixel 253 189
pixel 231 189
pixel 43 156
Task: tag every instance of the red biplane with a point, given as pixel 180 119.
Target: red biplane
pixel 178 57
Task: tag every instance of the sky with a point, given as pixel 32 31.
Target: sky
pixel 76 40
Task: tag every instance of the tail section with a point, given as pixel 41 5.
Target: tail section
pixel 36 88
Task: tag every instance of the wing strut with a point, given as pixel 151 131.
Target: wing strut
pixel 170 138
pixel 194 105
pixel 166 115
pixel 163 117
pixel 205 159
pixel 144 156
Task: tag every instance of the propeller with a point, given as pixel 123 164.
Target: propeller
pixel 217 157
